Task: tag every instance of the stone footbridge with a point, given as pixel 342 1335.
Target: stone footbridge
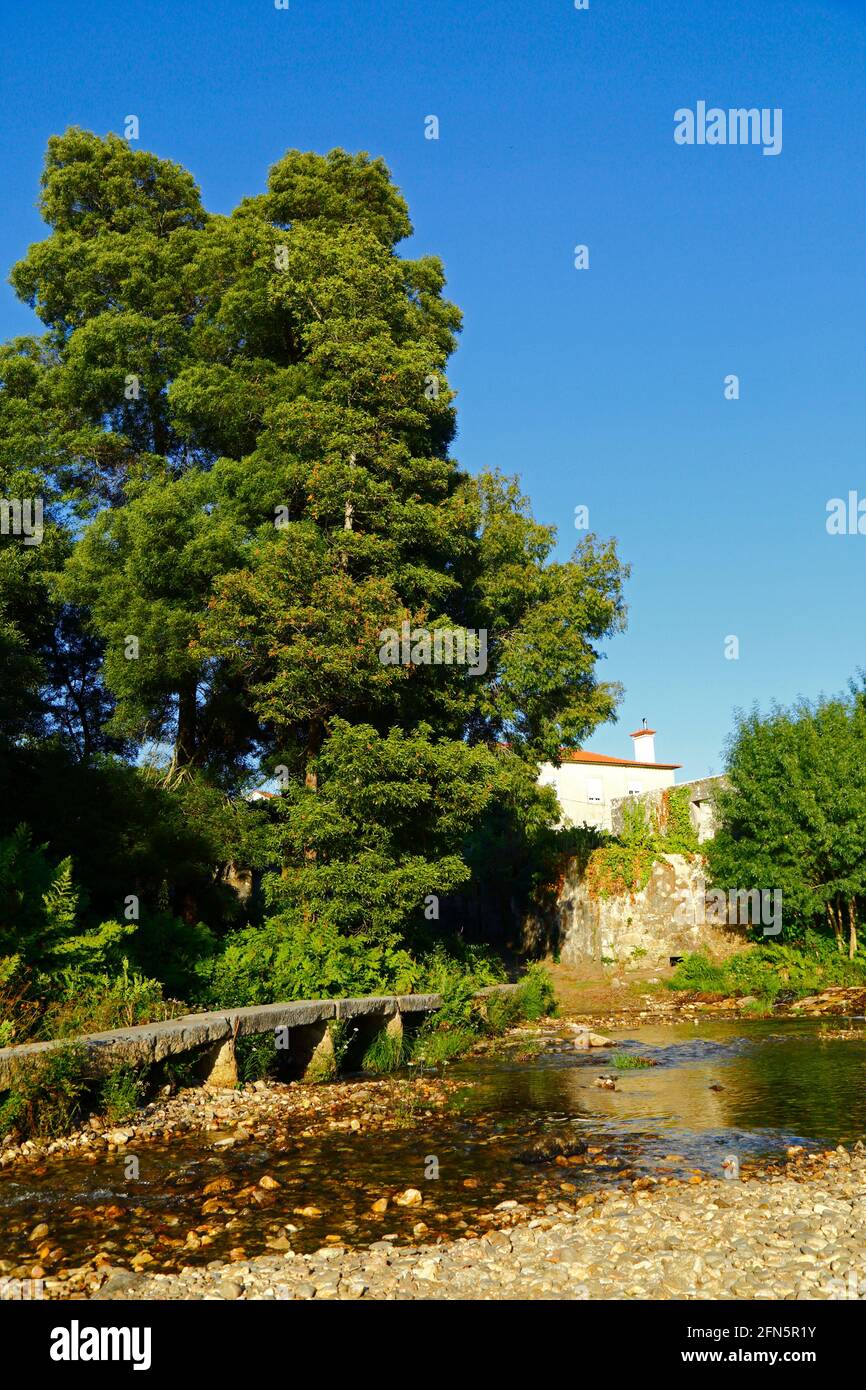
pixel 302 1030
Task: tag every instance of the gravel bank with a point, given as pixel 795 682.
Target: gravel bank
pixel 799 1232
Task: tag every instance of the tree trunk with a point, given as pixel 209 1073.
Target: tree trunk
pixel 852 929
pixel 348 518
pixel 836 923
pixel 187 712
pixel 315 738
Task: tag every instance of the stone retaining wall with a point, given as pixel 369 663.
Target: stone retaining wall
pixel 666 918
pixel 702 809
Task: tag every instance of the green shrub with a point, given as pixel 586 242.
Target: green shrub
pixel 626 1061
pixel 386 1053
pixel 19 1012
pixel 501 1012
pixel 46 1093
pixel 535 994
pixel 624 865
pixel 283 960
pixel 672 823
pixel 436 1046
pixel 256 1057
pixel 120 1094
pixel 769 969
pixel 98 1003
pixel 699 973
pixel 41 920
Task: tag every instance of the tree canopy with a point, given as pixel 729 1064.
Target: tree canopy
pixel 794 815
pixel 241 427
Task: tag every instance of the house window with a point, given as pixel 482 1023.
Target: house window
pixel 593 790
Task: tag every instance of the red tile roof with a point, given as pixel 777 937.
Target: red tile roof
pixel 579 756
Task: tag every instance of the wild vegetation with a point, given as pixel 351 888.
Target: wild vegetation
pixel 793 818
pixel 624 863
pixel 238 428
pixel 794 815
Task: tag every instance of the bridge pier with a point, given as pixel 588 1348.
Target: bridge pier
pixel 220 1066
pixel 311 1055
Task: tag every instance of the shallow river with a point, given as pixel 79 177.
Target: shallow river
pixel 744 1088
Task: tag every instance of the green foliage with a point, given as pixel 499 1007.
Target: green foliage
pixel 672 823
pixel 120 1094
pixel 533 998
pixel 39 919
pixel 627 1061
pixel 256 1057
pixel 438 1045
pixel 283 959
pixel 200 377
pixel 45 1094
pixel 386 1053
pixel 769 969
pixel 535 994
pixel 100 1003
pixel 457 976
pixel 625 865
pixel 793 816
pixel 383 829
pixel 19 1012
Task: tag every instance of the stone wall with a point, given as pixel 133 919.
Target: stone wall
pixel 666 918
pixel 701 808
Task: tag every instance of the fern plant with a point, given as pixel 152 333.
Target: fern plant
pixel 39 913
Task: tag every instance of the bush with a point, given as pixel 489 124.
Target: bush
pixel 46 1093
pixel 624 866
pixel 768 970
pixel 18 1012
pixel 500 1012
pixel 535 993
pixel 99 1003
pixel 41 921
pixel 256 1057
pixel 120 1094
pixel 387 1052
pixel 626 1061
pixel 282 960
pixel 439 1045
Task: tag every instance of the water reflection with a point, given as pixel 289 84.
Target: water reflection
pixel 727 1087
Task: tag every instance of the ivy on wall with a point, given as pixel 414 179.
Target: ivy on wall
pixel 625 865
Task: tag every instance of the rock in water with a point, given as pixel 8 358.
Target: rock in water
pixel 547 1150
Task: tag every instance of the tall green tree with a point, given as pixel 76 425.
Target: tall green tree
pixel 794 814
pixel 250 435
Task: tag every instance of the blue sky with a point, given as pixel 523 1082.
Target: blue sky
pixel 602 387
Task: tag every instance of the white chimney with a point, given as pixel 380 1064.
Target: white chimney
pixel 643 742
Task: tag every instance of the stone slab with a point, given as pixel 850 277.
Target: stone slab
pixel 148 1043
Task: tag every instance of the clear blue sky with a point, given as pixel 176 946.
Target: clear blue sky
pixel 601 387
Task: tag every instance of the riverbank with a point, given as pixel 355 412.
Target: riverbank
pixel 333 1187
pixel 605 998
pixel 794 1233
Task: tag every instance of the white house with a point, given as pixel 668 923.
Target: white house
pixel 587 783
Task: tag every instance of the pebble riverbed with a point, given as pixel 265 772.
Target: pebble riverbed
pixel 797 1233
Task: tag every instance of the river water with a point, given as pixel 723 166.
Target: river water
pixel 750 1089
